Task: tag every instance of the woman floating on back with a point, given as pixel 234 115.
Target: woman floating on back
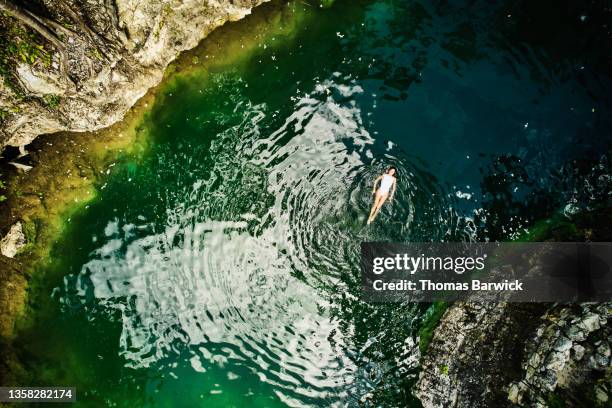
pixel 388 183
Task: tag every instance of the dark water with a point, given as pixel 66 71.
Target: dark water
pixel 222 269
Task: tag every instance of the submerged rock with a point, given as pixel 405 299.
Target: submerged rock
pixel 13 241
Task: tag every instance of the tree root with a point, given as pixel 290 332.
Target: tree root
pixel 51 30
pixel 111 10
pixel 43 28
pixel 97 40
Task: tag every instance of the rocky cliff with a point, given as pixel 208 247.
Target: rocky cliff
pixel 79 65
pixel 524 354
pixel 531 355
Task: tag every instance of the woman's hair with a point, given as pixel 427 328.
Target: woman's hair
pixel 391 168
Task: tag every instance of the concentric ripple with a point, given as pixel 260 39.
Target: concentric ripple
pixel 262 229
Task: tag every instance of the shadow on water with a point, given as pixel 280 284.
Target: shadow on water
pixel 223 268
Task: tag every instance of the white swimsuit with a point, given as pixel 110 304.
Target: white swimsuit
pixel 385 184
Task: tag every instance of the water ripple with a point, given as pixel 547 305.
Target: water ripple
pixel 260 236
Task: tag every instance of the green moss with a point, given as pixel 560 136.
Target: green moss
pixel 557 228
pixel 2 187
pixel 586 225
pixel 429 323
pixel 52 101
pixel 19 45
pixel 96 54
pixel 3 115
pixel 443 369
pixel 171 69
pixel 30 231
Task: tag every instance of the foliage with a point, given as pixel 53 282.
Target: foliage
pixel 19 45
pixel 51 100
pixel 30 232
pixel 2 187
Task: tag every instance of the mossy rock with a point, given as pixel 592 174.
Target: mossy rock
pixel 429 324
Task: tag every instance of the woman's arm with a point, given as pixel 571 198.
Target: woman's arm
pixel 376 182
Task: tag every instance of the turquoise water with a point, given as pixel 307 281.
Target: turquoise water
pixel 222 268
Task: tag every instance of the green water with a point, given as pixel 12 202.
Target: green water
pixel 222 268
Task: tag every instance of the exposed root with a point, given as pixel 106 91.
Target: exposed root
pixel 111 10
pixel 41 27
pixel 98 41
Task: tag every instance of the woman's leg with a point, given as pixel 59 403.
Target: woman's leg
pixel 379 203
pixel 374 206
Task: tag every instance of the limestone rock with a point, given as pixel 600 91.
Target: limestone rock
pixel 572 356
pixel 590 322
pixel 474 343
pixel 39 82
pixel 578 352
pixel 13 241
pixel 522 351
pixel 158 30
